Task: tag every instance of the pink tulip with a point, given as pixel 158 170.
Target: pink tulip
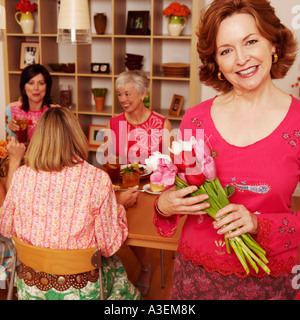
pixel 202 150
pixel 185 159
pixel 181 175
pixel 209 168
pixel 165 173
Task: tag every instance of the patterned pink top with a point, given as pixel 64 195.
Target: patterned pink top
pixel 137 143
pixel 75 208
pixel 13 110
pixel 265 175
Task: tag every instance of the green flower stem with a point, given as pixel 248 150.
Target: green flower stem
pixel 244 246
pixel 241 258
pixel 227 245
pixel 254 246
pixel 252 255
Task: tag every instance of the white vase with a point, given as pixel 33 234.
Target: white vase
pixel 176 25
pixel 26 21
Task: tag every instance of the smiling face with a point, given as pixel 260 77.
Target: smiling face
pixel 244 56
pixel 130 98
pixel 36 89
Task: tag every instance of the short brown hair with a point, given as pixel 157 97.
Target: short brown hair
pixel 58 141
pixel 269 25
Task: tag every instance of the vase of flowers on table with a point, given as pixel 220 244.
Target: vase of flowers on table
pixel 194 165
pixel 177 15
pixel 24 15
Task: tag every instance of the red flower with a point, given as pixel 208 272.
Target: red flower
pixel 194 176
pixel 176 9
pixel 25 6
pixel 185 159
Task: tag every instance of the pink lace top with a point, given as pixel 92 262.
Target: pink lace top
pixel 13 110
pixel 75 208
pixel 265 175
pixel 137 143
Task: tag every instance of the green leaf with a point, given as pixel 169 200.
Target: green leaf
pixel 230 190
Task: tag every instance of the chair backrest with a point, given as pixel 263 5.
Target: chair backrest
pixel 54 261
pixel 60 262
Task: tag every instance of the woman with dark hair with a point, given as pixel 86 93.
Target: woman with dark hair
pixel 35 88
pixel 252 128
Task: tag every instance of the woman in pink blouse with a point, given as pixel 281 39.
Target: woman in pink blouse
pixel 253 131
pixel 58 200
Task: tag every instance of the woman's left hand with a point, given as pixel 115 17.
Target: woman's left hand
pixel 235 217
pixel 15 150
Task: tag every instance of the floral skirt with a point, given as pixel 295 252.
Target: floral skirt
pixel 115 283
pixel 191 282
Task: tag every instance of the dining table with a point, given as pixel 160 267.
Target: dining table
pixel 141 230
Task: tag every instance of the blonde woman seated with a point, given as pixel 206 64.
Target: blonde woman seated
pixel 58 200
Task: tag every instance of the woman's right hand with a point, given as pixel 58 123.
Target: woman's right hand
pixel 174 201
pixel 12 125
pixel 127 198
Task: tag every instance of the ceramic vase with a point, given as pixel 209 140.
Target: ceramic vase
pixel 99 102
pixel 176 25
pixel 26 21
pixel 100 21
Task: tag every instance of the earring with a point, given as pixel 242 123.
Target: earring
pixel 274 57
pixel 220 74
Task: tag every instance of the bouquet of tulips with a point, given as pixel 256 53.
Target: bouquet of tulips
pixel 193 165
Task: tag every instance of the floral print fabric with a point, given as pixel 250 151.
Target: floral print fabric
pixel 75 208
pixel 71 209
pixel 192 282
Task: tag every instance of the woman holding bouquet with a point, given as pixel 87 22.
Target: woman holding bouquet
pixel 253 131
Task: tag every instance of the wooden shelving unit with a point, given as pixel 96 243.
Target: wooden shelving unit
pixel 157 48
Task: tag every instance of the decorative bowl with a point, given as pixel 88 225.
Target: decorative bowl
pixel 55 66
pixel 68 67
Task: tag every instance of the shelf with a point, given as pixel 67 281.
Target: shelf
pixel 110 47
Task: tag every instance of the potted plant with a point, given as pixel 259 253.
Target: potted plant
pixel 99 97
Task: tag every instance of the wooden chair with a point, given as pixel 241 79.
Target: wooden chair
pixel 59 262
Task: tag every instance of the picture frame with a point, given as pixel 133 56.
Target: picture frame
pixel 100 68
pixel 29 53
pixel 137 22
pixel 176 104
pixel 96 135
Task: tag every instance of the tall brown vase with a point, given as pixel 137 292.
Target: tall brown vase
pixel 100 21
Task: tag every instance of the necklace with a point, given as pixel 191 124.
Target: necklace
pixel 143 119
